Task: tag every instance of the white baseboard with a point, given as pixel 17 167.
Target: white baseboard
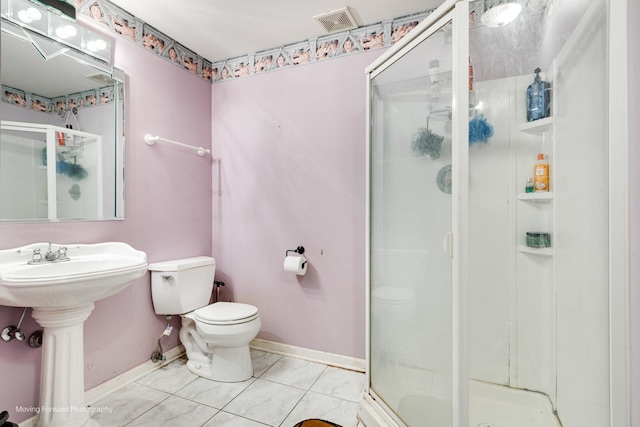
pixel 109 386
pixel 114 384
pixel 346 362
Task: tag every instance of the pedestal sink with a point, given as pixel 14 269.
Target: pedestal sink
pixel 62 294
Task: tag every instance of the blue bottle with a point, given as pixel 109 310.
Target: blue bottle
pixel 538 99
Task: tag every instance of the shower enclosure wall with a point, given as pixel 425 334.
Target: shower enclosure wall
pixel 489 305
pixel 32 187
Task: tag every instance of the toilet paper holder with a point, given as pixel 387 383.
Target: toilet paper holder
pixel 299 249
pixel 295 264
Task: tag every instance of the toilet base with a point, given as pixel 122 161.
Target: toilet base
pixel 224 364
pixel 219 353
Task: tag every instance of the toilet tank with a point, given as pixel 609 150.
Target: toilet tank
pixel 182 285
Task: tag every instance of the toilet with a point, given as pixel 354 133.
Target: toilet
pixel 215 336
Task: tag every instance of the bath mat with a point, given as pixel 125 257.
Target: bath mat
pixel 316 423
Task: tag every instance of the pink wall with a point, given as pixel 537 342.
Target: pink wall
pixel 168 215
pixel 291 171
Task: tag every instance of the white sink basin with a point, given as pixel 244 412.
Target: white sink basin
pixel 93 272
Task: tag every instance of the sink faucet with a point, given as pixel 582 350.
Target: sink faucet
pixel 58 256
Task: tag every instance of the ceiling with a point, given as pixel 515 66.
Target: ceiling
pixel 222 29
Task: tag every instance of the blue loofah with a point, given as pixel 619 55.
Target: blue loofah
pixel 427 143
pixel 479 129
pixel 62 167
pixel 77 172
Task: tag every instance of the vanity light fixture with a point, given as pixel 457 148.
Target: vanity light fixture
pixel 42 18
pixel 499 13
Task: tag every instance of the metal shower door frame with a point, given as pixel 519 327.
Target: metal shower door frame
pixel 456 11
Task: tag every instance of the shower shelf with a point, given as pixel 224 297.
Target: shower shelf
pixel 537 126
pixel 535 251
pixel 543 197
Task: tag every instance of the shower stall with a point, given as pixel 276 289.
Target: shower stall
pixel 490 305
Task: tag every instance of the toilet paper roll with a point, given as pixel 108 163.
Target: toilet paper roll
pixel 295 264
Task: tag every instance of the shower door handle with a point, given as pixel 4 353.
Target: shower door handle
pixel 447 244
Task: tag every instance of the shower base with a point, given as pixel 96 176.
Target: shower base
pixel 490 405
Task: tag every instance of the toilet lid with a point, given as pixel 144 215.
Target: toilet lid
pixel 225 313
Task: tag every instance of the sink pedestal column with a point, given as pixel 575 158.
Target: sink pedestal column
pixel 62 381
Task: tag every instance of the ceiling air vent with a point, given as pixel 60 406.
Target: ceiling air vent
pixel 337 20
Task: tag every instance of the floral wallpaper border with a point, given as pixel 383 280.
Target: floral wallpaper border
pixel 32 101
pixel 361 39
pixel 119 21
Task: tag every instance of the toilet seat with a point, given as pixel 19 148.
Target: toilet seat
pixel 226 313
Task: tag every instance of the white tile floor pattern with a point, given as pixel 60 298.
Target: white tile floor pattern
pixel 282 392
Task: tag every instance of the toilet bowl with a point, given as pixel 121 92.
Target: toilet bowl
pixel 393 304
pixel 216 339
pixel 393 316
pixel 215 336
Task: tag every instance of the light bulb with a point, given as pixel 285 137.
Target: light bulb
pixel 23 15
pixel 29 15
pixel 96 45
pixel 501 14
pixel 34 14
pixel 70 30
pixel 66 31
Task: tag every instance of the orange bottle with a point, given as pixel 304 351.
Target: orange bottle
pixel 541 174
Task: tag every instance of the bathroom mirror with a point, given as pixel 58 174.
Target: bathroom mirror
pixel 62 112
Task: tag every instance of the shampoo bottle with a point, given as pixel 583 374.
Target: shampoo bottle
pixel 541 174
pixel 529 187
pixel 538 98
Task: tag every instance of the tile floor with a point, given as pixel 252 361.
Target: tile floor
pixel 283 391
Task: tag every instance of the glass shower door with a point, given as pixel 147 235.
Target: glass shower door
pixel 410 232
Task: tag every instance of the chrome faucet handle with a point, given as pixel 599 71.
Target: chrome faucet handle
pixel 37 255
pixel 62 254
pixel 50 255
